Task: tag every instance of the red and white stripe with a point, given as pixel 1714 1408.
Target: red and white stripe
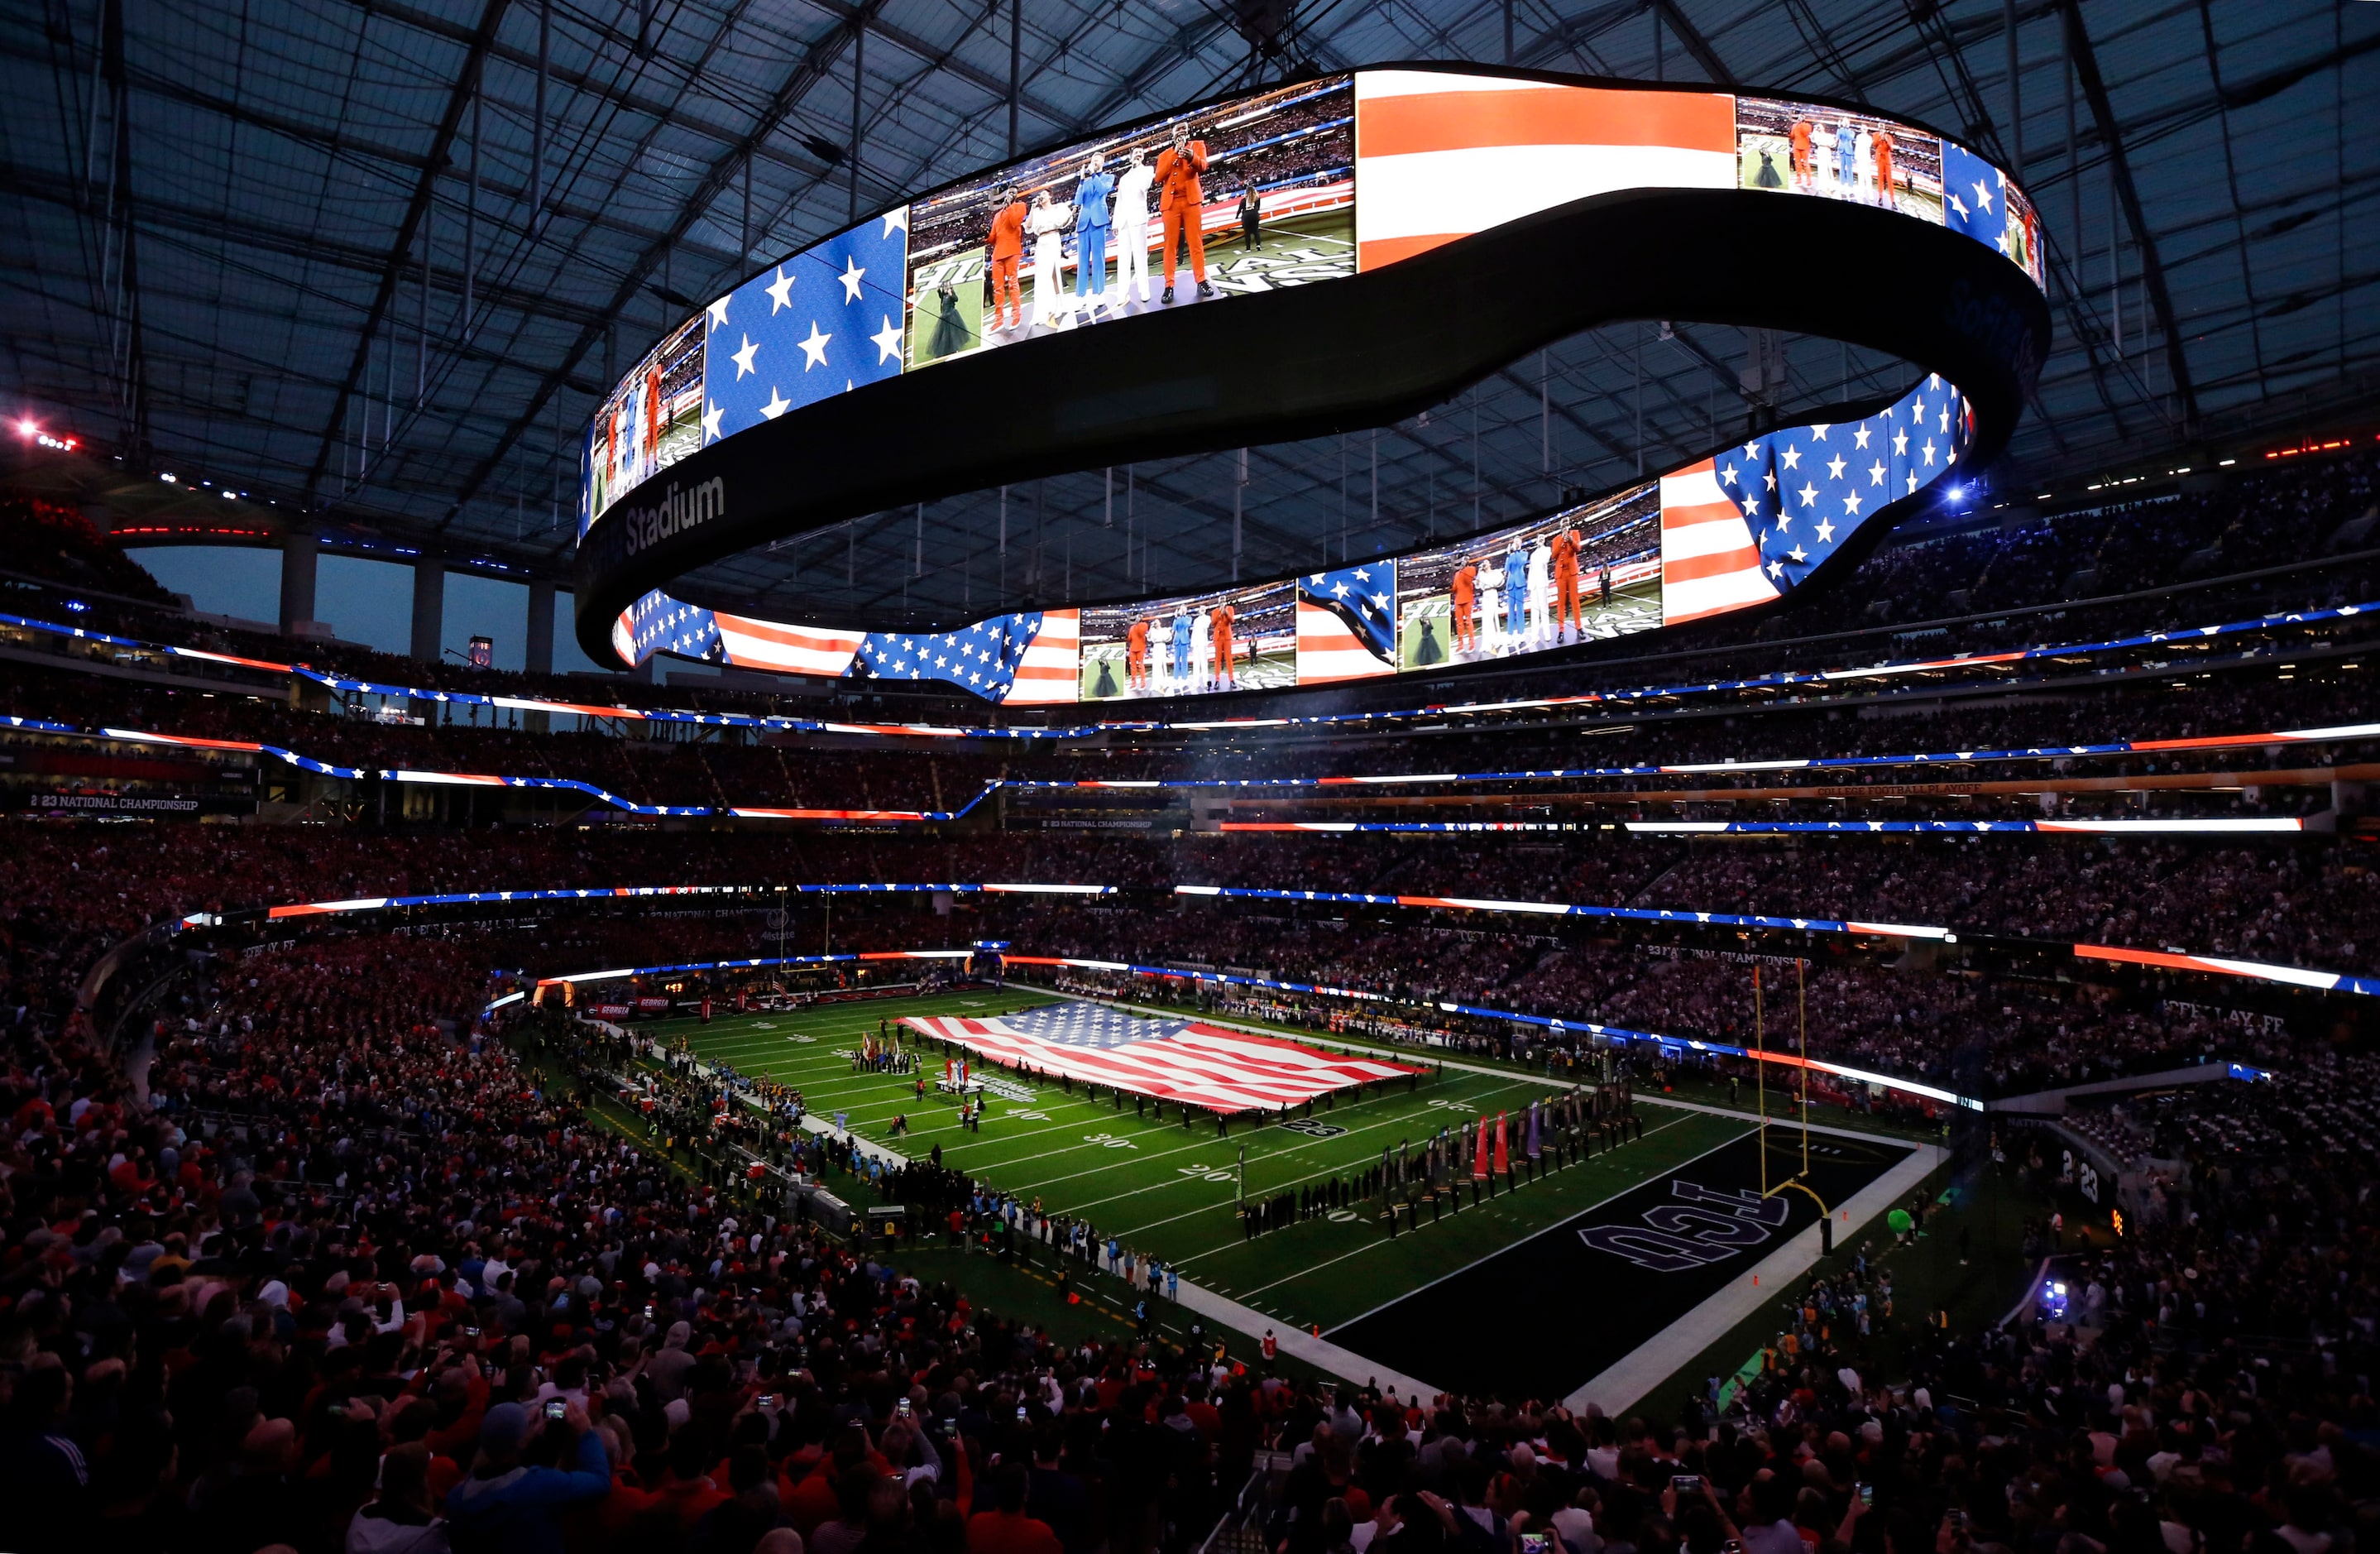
pixel 2262 971
pixel 1215 1070
pixel 1328 649
pixel 186 741
pixel 765 812
pixel 2210 827
pixel 1709 564
pixel 1051 669
pixel 326 908
pixel 1440 156
pixel 791 649
pixel 584 709
pixel 232 659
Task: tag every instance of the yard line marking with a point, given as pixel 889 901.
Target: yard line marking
pixel 1556 1225
pixel 1303 1142
pixel 1307 1142
pixel 1374 1245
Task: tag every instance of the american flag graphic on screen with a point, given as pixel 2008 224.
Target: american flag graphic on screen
pixel 659 624
pixel 1184 1061
pixel 1708 561
pixel 1440 155
pixel 1034 656
pixel 822 322
pixel 792 649
pixel 1747 524
pixel 1804 489
pixel 1346 624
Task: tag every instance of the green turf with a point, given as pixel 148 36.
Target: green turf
pixel 1171 1191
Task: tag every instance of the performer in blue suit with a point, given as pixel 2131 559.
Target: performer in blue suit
pixel 1516 596
pixel 1178 635
pixel 1091 221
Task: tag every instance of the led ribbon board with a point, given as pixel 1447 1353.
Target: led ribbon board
pixel 1421 226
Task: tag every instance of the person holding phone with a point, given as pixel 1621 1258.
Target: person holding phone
pixel 1694 1508
pixel 502 1504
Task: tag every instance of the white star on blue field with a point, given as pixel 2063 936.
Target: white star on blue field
pixel 823 322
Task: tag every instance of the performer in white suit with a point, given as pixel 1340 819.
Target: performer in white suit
pixel 1048 220
pixel 1132 229
pixel 1202 650
pixel 1491 609
pixel 1541 593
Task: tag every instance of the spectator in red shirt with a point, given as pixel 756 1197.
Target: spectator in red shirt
pixel 1006 1529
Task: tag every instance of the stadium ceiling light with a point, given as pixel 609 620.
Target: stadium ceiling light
pixel 866 360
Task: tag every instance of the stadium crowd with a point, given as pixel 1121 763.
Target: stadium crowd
pixel 723 770
pixel 328 1275
pixel 1992 1027
pixel 314 1257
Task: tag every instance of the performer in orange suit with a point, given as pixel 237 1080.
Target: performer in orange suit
pixel 1466 590
pixel 1181 204
pixel 1800 140
pixel 1007 247
pixel 1565 551
pixel 1223 616
pixel 654 416
pixel 1135 656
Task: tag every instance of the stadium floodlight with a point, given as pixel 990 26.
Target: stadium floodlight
pixel 1361 202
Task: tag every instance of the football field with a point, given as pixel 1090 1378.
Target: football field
pixel 1170 1192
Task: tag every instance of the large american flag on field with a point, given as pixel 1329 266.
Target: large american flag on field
pixel 1185 1061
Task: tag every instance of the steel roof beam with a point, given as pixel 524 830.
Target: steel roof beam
pixel 806 74
pixel 2111 135
pixel 1698 48
pixel 467 86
